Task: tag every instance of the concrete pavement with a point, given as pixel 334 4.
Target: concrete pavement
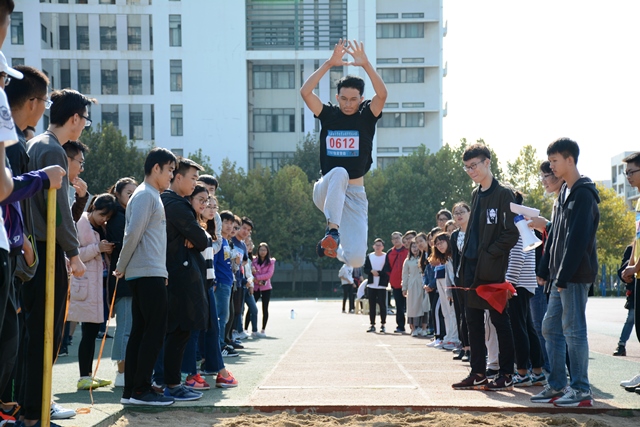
pixel 323 361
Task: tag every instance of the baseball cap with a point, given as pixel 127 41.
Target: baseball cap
pixel 4 68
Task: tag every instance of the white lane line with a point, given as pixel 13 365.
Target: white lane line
pixel 285 354
pixel 355 387
pixel 428 400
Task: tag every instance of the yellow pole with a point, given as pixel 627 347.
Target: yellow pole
pixel 48 308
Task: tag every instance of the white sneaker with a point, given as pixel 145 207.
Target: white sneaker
pixel 435 343
pixel 234 336
pixel 258 335
pixel 449 345
pixel 635 381
pixel 423 333
pixel 60 413
pixel 119 382
pixel 243 335
pixel 416 332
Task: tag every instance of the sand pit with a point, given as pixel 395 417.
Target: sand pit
pixel 432 419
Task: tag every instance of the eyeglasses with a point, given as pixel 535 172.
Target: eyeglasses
pixel 631 172
pixel 47 102
pixel 6 77
pixel 236 227
pixel 472 166
pixel 81 162
pixel 443 218
pixel 87 123
pixel 546 176
pixel 201 200
pixel 459 213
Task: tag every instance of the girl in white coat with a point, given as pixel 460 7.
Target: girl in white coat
pixel 413 290
pixel 86 300
pixel 441 254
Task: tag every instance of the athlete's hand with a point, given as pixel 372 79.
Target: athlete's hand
pixel 356 50
pixel 339 51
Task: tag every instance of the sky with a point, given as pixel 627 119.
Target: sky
pixel 529 72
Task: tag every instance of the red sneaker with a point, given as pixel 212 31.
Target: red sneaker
pixel 196 382
pixel 227 382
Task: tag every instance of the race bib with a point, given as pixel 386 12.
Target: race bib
pixel 343 143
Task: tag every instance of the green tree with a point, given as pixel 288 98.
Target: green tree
pixel 307 157
pixel 203 160
pixel 110 158
pixel 617 226
pixel 523 172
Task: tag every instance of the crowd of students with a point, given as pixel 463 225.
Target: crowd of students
pixel 181 275
pixel 517 317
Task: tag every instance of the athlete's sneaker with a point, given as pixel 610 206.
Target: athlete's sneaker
pixel 226 382
pixel 503 382
pixel 548 395
pixel 182 393
pixel 151 398
pixel 60 413
pixel 472 382
pixel 633 382
pixel 538 379
pixel 196 382
pixel 371 329
pixel 330 243
pixel 575 399
pixel 522 380
pixel 228 351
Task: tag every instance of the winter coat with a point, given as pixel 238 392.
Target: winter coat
pixel 264 272
pixel 86 301
pixel 412 284
pixel 497 234
pixel 187 292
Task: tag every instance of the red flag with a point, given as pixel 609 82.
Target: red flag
pixel 496 294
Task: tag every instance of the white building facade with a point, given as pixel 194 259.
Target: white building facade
pixel 224 76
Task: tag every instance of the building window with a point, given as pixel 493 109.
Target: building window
pixel 413 60
pixel 82 2
pixel 402 75
pixel 384 162
pixel 273 77
pixel 401 120
pixel 386 16
pixel 413 105
pixel 109 77
pixel 63 34
pixel 135 122
pixel 82 31
pixel 17 28
pixel 273 160
pixel 387 60
pixel 335 74
pixel 400 31
pixel 176 120
pixel 84 76
pixel 110 114
pixel 108 34
pixel 17 61
pixel 274 120
pixel 410 149
pixel 412 15
pixel 391 105
pixel 65 74
pixel 388 150
pixel 175 68
pixel 135 77
pixel 43 33
pixel 134 32
pixel 175 30
pixel 178 152
pixel 151 78
pixel 107 2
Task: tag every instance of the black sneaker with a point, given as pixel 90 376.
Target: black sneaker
pixel 371 329
pixel 492 374
pixel 236 346
pixel 467 356
pixel 620 351
pixel 228 351
pixel 383 329
pixel 503 382
pixel 151 398
pixel 459 355
pixel 399 331
pixel 472 382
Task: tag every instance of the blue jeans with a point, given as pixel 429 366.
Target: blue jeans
pixel 627 328
pixel 123 328
pixel 223 297
pixel 189 358
pixel 538 307
pixel 250 301
pixel 565 329
pixel 211 343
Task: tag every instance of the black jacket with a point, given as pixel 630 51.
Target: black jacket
pixel 115 234
pixel 384 273
pixel 188 300
pixel 570 253
pixel 497 234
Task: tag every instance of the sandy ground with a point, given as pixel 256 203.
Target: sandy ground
pixel 437 419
